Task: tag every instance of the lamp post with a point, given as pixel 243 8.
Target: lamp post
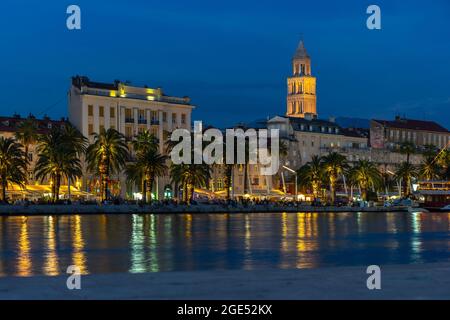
pixel 294 172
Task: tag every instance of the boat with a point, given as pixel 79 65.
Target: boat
pixel 435 195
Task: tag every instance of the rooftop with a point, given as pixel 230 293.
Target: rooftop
pixel 119 89
pixel 11 124
pixel 421 125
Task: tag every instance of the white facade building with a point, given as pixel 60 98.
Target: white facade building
pixel 128 109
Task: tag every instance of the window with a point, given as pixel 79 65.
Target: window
pixel 183 118
pixel 141 114
pixel 101 111
pixel 153 115
pixel 90 110
pixel 128 133
pixel 101 127
pixel 90 129
pixel 112 112
pixel 128 114
pixel 174 118
pixel 164 116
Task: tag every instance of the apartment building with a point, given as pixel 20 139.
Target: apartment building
pixel 390 134
pixel 130 110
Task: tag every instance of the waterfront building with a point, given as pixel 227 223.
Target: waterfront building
pixel 390 134
pixel 9 126
pixel 130 110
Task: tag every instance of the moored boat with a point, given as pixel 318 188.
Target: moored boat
pixel 435 195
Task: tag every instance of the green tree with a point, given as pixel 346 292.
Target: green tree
pixel 405 173
pixel 311 175
pixel 148 164
pixel 107 155
pixel 190 176
pixel 334 165
pixel 429 168
pixel 366 174
pixel 407 148
pixel 58 159
pixel 13 164
pixel 27 134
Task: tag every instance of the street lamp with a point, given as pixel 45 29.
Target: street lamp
pixel 294 172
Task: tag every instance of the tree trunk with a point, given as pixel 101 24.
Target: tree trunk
pixel 191 192
pixel 105 182
pixel 228 177
pixel 185 192
pixel 150 188
pixel 144 191
pixel 57 186
pixel 4 192
pixel 332 191
pixel 245 179
pixel 26 163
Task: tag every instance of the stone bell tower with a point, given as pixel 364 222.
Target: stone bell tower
pixel 301 96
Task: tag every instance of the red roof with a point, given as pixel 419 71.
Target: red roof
pixel 10 124
pixel 413 125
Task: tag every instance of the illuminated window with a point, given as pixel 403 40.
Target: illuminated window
pixel 90 110
pixel 112 112
pixel 101 127
pixel 174 118
pixel 101 111
pixel 164 116
pixel 90 129
pixel 183 118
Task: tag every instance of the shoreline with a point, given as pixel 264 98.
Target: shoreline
pixel 36 210
pixel 413 281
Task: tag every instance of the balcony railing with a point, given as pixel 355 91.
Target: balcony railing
pixel 129 120
pixel 142 121
pixel 154 122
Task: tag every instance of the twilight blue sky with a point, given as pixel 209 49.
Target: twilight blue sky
pixel 232 57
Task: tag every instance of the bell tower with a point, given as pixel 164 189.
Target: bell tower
pixel 301 95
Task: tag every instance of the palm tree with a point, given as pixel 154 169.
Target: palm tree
pixel 429 169
pixel 108 154
pixel 311 175
pixel 334 165
pixel 58 159
pixel 407 148
pixel 366 174
pixel 13 164
pixel 148 164
pixel 144 141
pixel 75 140
pixel 443 160
pixel 406 172
pixel 190 176
pixel 27 134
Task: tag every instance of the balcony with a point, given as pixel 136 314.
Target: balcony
pixel 142 121
pixel 154 122
pixel 129 120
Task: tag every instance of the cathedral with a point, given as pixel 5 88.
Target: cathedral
pixel 301 99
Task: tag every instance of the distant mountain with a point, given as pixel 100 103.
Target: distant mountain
pixel 347 122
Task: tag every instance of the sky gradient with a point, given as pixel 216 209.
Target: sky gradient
pixel 232 57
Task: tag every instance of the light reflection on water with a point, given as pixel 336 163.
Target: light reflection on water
pixel 47 245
